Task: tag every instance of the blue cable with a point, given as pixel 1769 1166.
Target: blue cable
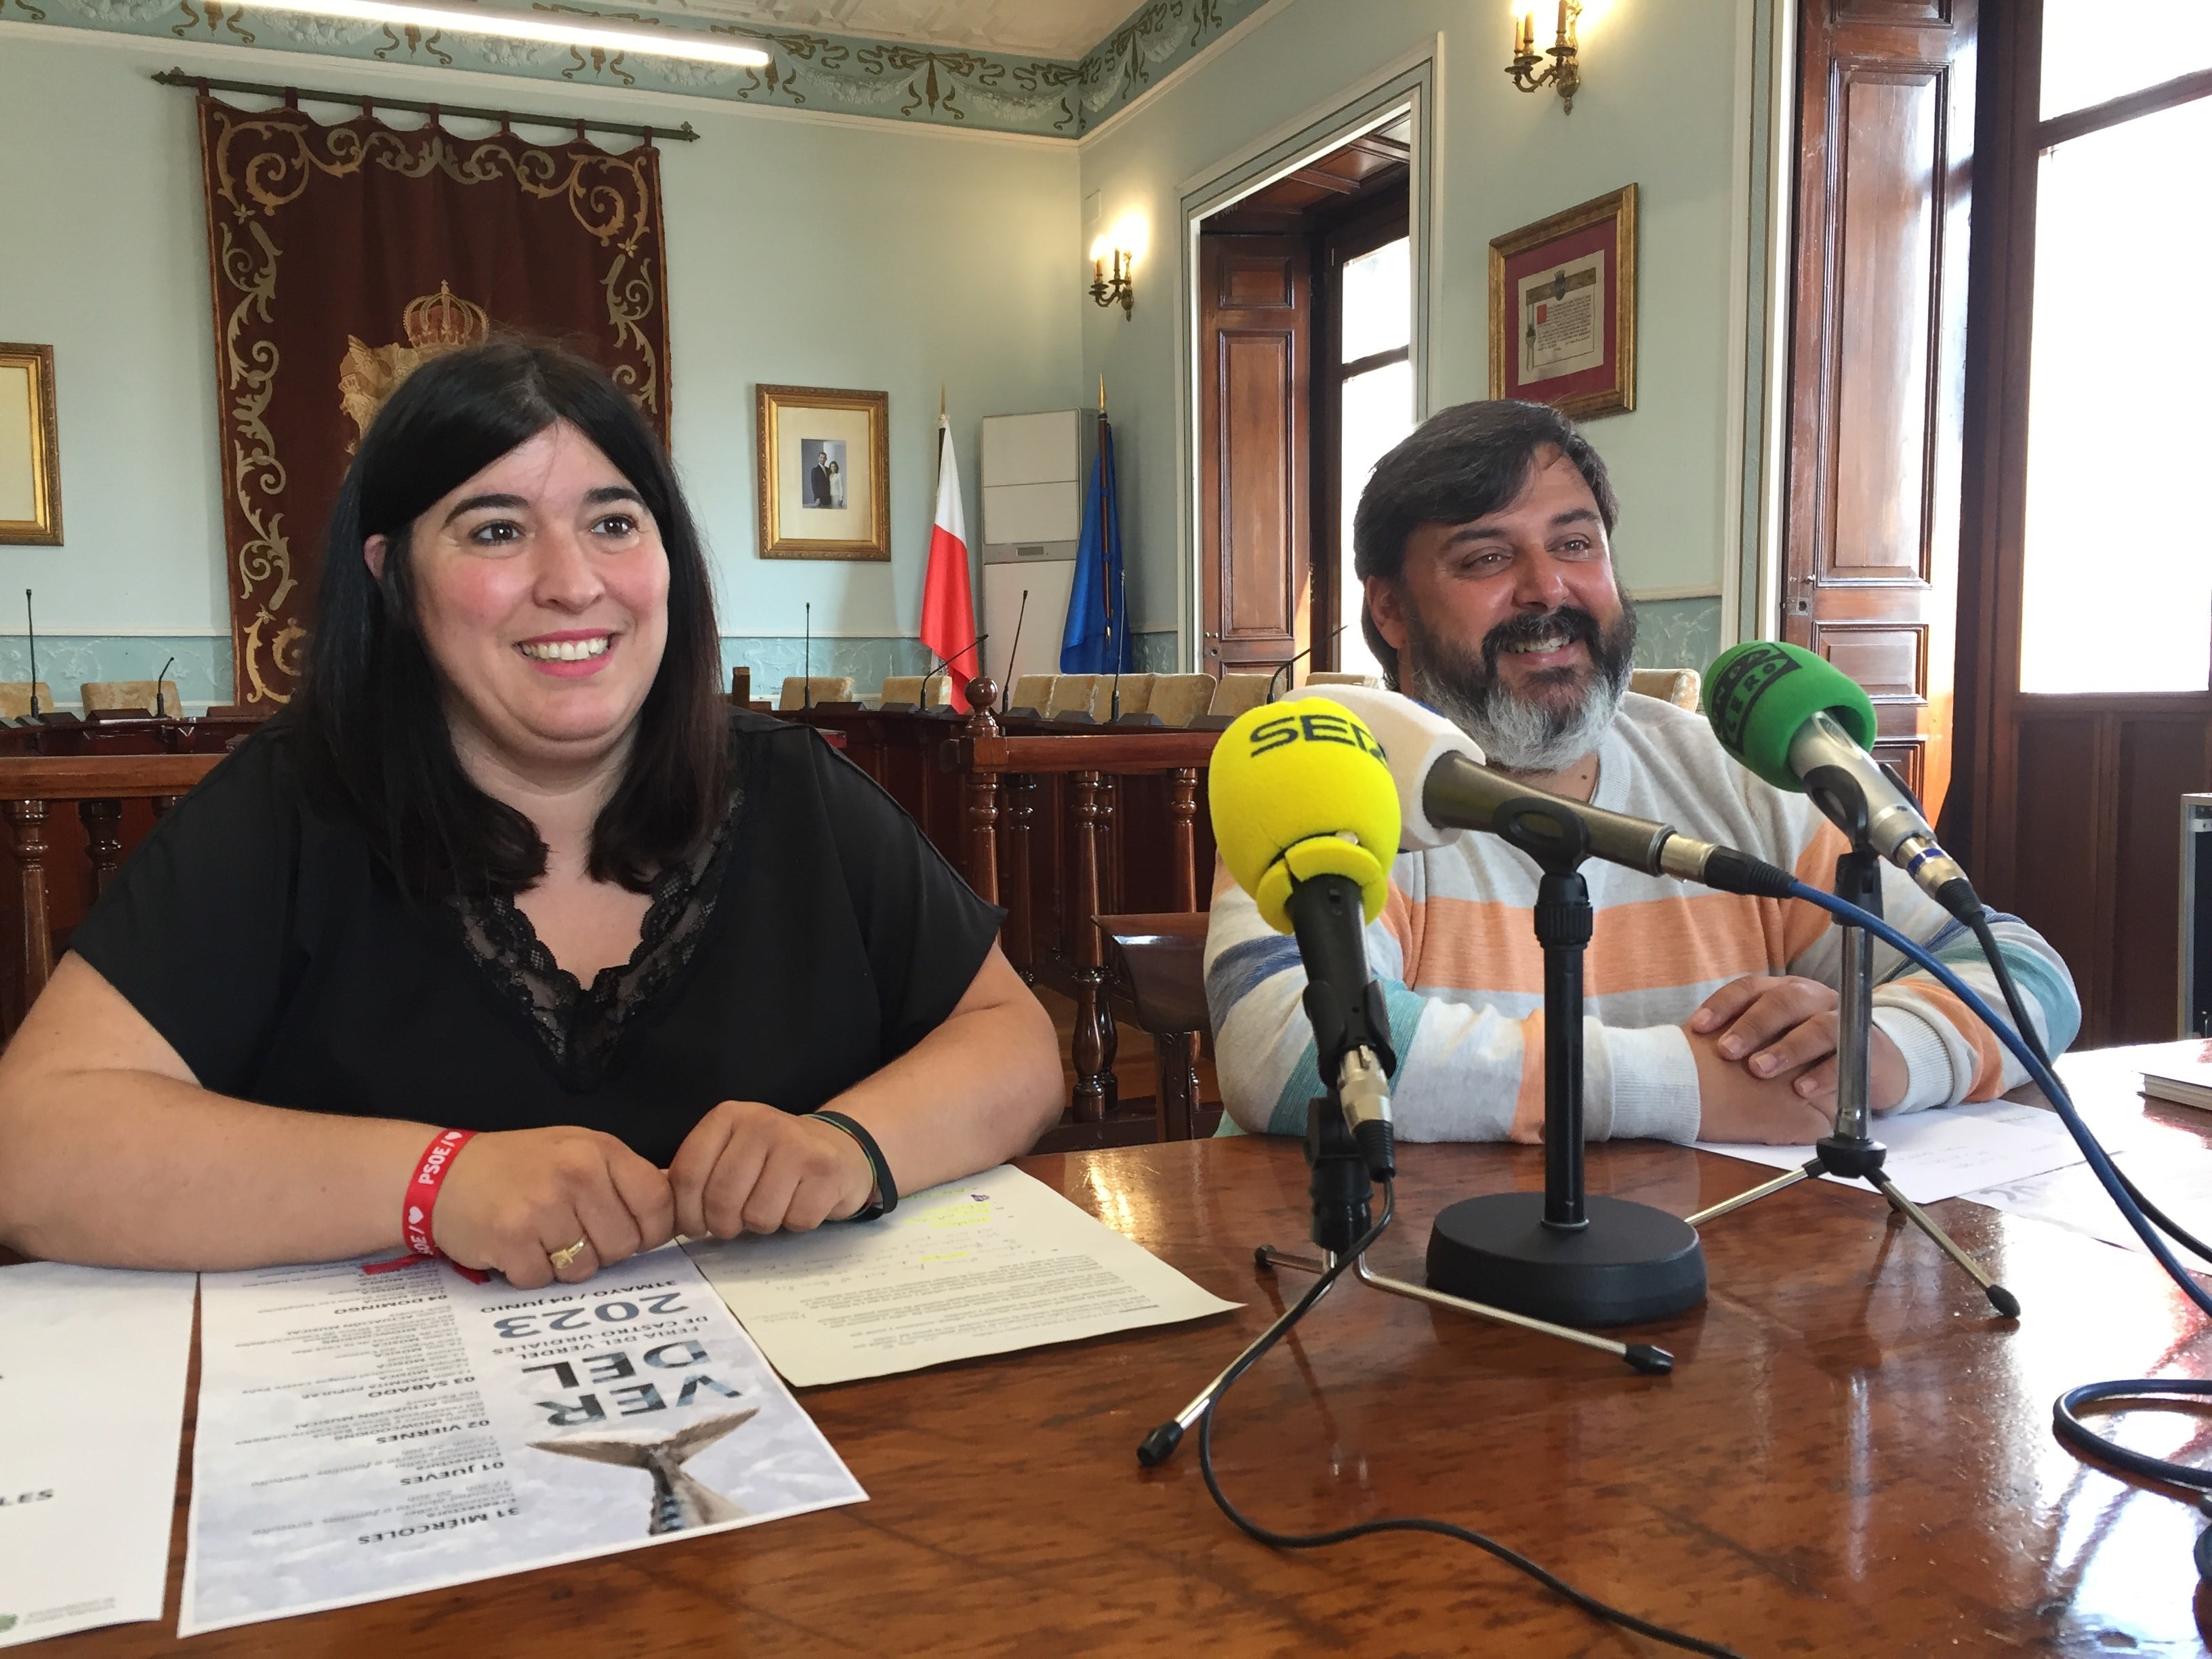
pixel 2099 1161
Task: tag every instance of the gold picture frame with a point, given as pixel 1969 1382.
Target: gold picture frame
pixel 1577 352
pixel 30 449
pixel 815 501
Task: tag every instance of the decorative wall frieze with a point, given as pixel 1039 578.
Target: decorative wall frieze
pixel 842 74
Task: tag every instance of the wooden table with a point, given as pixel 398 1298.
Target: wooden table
pixel 1853 1457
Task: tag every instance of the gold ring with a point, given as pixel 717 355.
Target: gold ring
pixel 561 1259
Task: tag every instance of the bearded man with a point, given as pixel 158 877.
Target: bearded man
pixel 1484 541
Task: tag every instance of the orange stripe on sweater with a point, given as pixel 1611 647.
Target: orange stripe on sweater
pixel 1528 1101
pixel 1803 923
pixel 1470 945
pixel 1989 1059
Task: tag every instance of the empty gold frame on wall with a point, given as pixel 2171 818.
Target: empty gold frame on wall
pixel 822 473
pixel 30 448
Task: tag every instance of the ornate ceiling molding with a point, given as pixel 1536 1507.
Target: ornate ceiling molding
pixel 831 74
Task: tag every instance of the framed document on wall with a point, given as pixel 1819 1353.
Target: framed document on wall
pixel 30 449
pixel 823 475
pixel 1563 309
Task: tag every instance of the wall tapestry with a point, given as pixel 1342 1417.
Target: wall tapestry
pixel 342 256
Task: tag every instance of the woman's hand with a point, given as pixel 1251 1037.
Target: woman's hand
pixel 510 1201
pixel 748 1168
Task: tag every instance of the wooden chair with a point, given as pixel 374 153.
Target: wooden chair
pixel 1238 692
pixel 98 694
pixel 1162 961
pixel 16 699
pixel 1032 694
pixel 1179 699
pixel 98 784
pixel 1330 676
pixel 1135 696
pixel 799 692
pixel 913 691
pixel 1679 686
pixel 1071 695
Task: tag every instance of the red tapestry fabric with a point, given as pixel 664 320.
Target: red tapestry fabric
pixel 342 258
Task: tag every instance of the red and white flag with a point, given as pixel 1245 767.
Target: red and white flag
pixel 948 606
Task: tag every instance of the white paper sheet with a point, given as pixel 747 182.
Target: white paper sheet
pixel 1949 1151
pixel 369 1436
pixel 994 1263
pixel 93 1363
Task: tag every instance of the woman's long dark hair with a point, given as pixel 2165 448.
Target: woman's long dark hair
pixel 368 722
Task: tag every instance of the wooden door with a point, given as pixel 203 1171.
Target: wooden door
pixel 2075 795
pixel 1255 308
pixel 1885 138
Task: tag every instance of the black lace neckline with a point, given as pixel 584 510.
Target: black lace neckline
pixel 582 1028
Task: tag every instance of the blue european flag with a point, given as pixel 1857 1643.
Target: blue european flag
pixel 1097 638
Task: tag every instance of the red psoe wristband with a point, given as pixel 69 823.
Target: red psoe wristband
pixel 422 1199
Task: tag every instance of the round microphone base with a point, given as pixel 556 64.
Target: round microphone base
pixel 1631 1263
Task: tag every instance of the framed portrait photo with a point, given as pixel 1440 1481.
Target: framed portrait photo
pixel 30 448
pixel 824 473
pixel 1563 309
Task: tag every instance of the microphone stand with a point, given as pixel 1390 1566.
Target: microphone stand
pixel 1849 1152
pixel 1342 1192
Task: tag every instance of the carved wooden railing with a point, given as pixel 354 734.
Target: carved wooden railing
pixel 995 765
pixel 98 784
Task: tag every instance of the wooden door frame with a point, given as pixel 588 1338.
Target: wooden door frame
pixel 1405 88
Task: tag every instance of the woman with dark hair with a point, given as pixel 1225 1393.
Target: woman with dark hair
pixel 508 875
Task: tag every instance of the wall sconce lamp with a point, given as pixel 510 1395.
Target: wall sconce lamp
pixel 1120 286
pixel 1563 72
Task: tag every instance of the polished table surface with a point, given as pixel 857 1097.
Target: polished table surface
pixel 1852 1456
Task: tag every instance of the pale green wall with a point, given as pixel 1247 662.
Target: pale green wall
pixel 1657 109
pixel 808 252
pixel 928 254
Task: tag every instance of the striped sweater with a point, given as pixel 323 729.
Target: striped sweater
pixel 1457 953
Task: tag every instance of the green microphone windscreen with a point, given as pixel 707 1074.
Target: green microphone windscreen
pixel 1759 696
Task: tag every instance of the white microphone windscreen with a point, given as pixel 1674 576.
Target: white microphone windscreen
pixel 1414 737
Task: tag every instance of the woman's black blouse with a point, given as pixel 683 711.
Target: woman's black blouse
pixel 816 939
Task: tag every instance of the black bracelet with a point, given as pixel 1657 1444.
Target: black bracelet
pixel 886 1188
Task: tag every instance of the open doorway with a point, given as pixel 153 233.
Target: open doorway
pixel 1305 324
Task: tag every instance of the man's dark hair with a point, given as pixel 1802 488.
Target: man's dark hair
pixel 1469 460
pixel 369 723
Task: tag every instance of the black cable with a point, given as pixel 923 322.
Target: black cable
pixel 2065 1421
pixel 1307 1540
pixel 2025 1027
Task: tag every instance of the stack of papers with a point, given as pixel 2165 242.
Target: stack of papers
pixel 2186 1081
pixel 92 1406
pixel 1948 1152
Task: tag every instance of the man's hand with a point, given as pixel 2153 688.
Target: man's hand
pixel 510 1201
pixel 748 1168
pixel 1783 1030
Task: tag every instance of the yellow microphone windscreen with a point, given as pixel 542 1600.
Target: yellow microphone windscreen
pixel 1300 790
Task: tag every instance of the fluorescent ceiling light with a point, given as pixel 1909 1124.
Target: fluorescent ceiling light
pixel 519 25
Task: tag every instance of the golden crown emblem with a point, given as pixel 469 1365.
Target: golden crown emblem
pixel 444 322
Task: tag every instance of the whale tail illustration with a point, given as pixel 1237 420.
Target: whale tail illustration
pixel 679 1499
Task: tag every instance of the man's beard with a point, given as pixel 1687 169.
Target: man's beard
pixel 1570 708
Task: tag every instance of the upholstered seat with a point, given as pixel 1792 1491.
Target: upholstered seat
pixel 1679 686
pixel 16 699
pixel 1071 695
pixel 1179 699
pixel 1331 676
pixel 1238 692
pixel 1032 694
pixel 127 693
pixel 799 692
pixel 913 691
pixel 1134 695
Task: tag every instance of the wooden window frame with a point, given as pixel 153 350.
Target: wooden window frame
pixel 1387 218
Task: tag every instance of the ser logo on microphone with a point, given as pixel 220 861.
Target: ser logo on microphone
pixel 1287 729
